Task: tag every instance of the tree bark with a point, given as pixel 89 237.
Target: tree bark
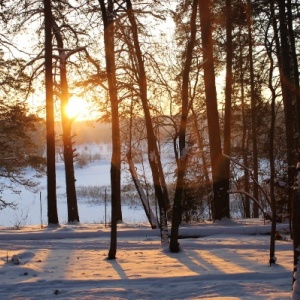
pixel 253 108
pixel 288 95
pixel 294 61
pixel 296 229
pixel 115 171
pixel 51 171
pixel 149 213
pixel 228 96
pixel 153 154
pixel 221 196
pixel 73 215
pixel 183 151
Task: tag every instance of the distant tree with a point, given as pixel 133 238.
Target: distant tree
pixel 18 151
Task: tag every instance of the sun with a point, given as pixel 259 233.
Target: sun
pixel 77 108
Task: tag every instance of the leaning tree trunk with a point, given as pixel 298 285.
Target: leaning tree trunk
pixel 51 172
pixel 148 211
pixel 221 196
pixel 144 199
pixel 115 171
pixel 66 130
pixel 153 153
pixel 183 151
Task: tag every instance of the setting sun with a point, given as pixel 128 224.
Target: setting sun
pixel 77 108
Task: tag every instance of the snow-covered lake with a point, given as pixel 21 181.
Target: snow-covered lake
pixel 30 205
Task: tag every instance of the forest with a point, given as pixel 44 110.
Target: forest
pixel 215 81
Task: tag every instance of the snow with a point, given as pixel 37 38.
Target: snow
pixel 223 260
pixel 228 259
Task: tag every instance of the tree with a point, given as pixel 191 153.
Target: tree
pixel 51 172
pixel 253 106
pixel 269 48
pixel 66 125
pixel 183 150
pixel 108 13
pixel 296 233
pixel 18 150
pixel 221 196
pixel 153 154
pixel 228 94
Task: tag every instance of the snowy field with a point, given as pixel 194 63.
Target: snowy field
pixel 227 260
pixel 32 207
pixel 223 260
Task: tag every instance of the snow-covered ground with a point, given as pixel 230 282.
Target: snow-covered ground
pixel 223 260
pixel 226 260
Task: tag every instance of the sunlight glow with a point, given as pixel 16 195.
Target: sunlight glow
pixel 77 108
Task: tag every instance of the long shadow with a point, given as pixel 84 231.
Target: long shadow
pixel 117 267
pixel 192 261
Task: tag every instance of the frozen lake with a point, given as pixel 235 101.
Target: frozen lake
pixel 31 204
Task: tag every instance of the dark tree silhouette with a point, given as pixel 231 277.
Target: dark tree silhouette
pixel 221 196
pixel 51 172
pixel 108 14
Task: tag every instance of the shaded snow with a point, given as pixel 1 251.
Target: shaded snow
pixel 70 262
pixel 222 260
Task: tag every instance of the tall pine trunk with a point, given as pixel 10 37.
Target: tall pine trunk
pixel 66 130
pixel 228 95
pixel 115 170
pixel 288 95
pixel 269 47
pixel 183 151
pixel 221 196
pixel 253 109
pixel 160 188
pixel 51 171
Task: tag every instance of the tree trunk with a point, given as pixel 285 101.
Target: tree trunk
pixel 271 150
pixel 288 96
pixel 253 108
pixel 51 172
pixel 296 231
pixel 66 131
pixel 221 196
pixel 183 151
pixel 149 213
pixel 228 96
pixel 294 60
pixel 199 137
pixel 115 171
pixel 153 154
